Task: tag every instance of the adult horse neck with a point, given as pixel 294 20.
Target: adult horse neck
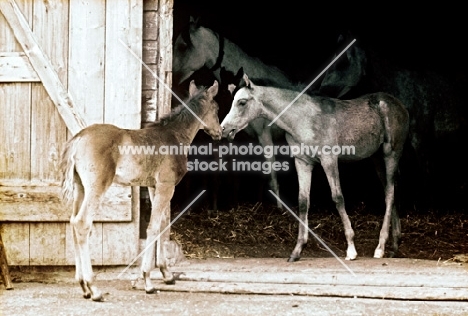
pixel 197 47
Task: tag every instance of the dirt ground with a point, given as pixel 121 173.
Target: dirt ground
pixel 253 287
pixel 251 276
pixel 63 299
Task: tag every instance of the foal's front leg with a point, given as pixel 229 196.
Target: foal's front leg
pixel 160 218
pixel 266 139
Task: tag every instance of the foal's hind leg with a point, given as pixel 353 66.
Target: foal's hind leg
pixel 330 166
pixel 395 219
pixel 78 195
pixel 82 224
pixel 391 165
pixel 396 232
pixel 304 175
pixel 160 218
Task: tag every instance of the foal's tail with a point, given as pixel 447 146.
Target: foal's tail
pixel 67 166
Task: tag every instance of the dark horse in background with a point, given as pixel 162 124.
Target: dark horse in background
pixel 437 108
pixel 201 52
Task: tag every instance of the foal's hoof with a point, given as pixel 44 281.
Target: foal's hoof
pixel 98 298
pixel 170 282
pixel 150 291
pixel 378 254
pixel 351 257
pixel 87 295
pixel 293 259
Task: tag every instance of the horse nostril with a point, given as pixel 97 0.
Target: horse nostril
pixel 222 127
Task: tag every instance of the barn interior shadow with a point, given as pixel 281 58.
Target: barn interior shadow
pixel 287 37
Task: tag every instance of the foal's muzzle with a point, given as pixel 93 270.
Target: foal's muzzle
pixel 215 134
pixel 229 133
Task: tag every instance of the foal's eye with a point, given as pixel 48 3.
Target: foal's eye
pixel 242 102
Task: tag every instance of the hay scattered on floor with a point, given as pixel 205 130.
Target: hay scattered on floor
pixel 258 231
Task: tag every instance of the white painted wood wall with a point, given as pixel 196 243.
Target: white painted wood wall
pixel 94 79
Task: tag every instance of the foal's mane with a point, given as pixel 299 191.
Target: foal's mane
pixel 266 82
pixel 180 113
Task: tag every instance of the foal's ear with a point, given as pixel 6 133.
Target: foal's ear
pixel 213 90
pixel 239 75
pixel 247 82
pixel 189 29
pixel 192 88
pixel 195 21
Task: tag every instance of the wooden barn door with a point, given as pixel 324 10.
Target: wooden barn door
pixel 64 65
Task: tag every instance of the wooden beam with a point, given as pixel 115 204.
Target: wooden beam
pixel 164 63
pixel 43 67
pixel 43 204
pixel 15 67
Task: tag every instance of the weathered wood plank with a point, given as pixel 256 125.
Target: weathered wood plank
pixel 398 278
pixel 50 29
pixel 123 96
pixel 120 242
pixel 48 129
pixel 15 135
pixel 150 5
pixel 148 106
pixel 124 24
pixel 43 204
pixel 95 245
pixel 385 292
pixel 15 67
pixel 49 136
pixel 15 151
pixel 8 42
pixel 42 65
pixel 16 239
pixel 150 52
pixel 87 58
pixel 150 31
pixel 149 80
pixel 164 63
pixel 150 57
pixel 47 244
pixel 15 146
pixel 23 183
pixel 327 277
